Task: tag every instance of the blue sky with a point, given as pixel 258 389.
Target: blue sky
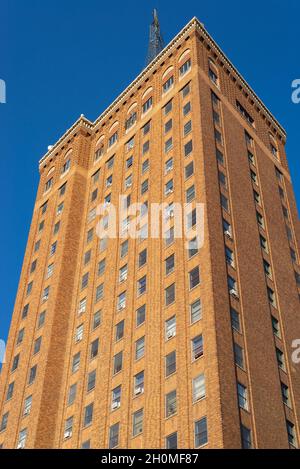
pixel 61 58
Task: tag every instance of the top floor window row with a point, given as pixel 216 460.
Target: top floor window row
pixel 245 113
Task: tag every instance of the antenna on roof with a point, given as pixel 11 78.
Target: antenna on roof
pixel 156 43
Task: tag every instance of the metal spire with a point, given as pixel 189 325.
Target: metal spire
pixel 156 43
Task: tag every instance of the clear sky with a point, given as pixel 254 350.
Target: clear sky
pixel 61 58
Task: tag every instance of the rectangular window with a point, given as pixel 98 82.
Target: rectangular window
pixel 118 362
pixel 168 84
pixel 123 273
pixel 187 128
pixel 185 67
pixel 198 387
pixel 246 437
pixel 96 319
pixel 201 437
pixel 168 165
pixel 22 438
pixel 169 236
pixel 186 108
pixel 171 441
pixel 4 421
pixel 25 311
pixel 110 162
pixel 193 247
pixel 189 170
pixel 95 176
pixel 244 113
pixel 170 363
pixel 139 348
pixel 140 315
pixel 170 294
pixel 79 333
pixel 285 394
pixel 76 362
pixel 20 336
pixel 220 156
pixel 84 280
pixel 139 383
pixel 130 144
pixel 120 330
pixel 194 277
pixel 147 105
pixel 280 359
pixel 72 393
pixel 114 436
pixel 27 405
pixel 146 129
pixel 218 137
pixel 15 362
pixel 168 144
pixel 10 391
pixel 48 184
pixel 144 186
pixel 229 256
pixel 170 264
pixel 116 398
pixel 94 349
pixel 37 345
pixel 168 126
pixel 32 374
pixel 197 347
pixel 271 296
pixel 62 189
pixel 99 292
pixel 142 285
pixel 53 248
pixel 171 404
pixel 170 328
pixel 168 108
pixel 291 433
pixel 146 147
pixel 188 148
pixel 137 422
pixel 88 415
pixel 186 90
pixel 130 121
pixel 142 259
pixel 196 311
pixel 235 320
pixel 190 194
pixel 60 208
pixel 242 396
pixel 113 139
pixel 122 301
pixel 145 166
pixel 238 355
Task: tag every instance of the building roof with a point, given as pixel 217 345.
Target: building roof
pixel 193 24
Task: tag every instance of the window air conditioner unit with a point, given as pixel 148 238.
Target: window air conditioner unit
pixel 115 405
pixel 26 411
pixel 21 445
pixel 234 293
pixel 170 334
pixel 138 390
pixel 68 434
pixel 122 306
pixel 228 234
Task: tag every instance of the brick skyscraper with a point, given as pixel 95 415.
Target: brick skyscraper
pixel 142 343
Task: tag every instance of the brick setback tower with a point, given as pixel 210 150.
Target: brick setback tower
pixel 143 343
